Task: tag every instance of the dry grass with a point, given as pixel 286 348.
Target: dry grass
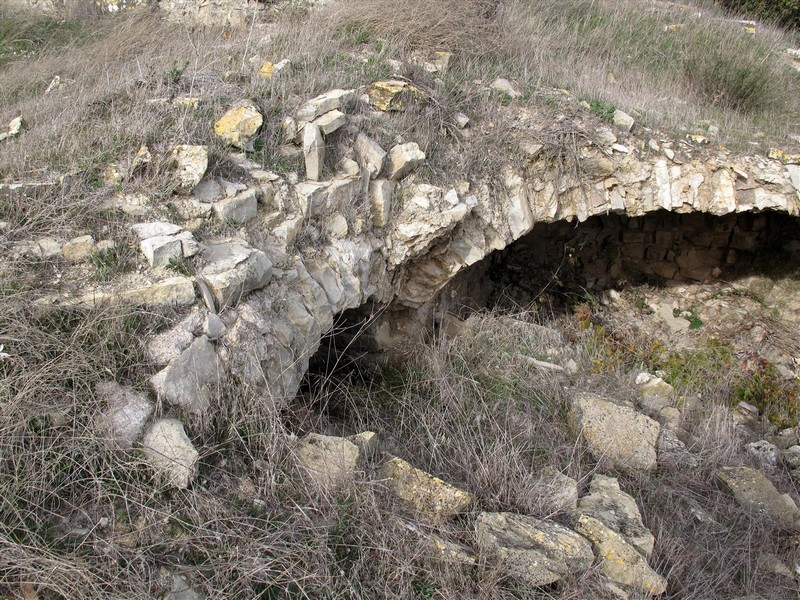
pixel 707 71
pixel 79 520
pixel 473 411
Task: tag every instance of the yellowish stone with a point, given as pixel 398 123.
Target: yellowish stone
pixel 392 94
pixel 238 126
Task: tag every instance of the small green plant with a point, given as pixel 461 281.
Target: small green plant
pixel 172 76
pixel 182 266
pixel 355 34
pixel 108 263
pixel 772 394
pixel 602 109
pixel 424 587
pixel 694 321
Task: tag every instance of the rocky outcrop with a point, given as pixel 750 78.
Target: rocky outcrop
pixel 170 452
pixel 615 432
pixel 618 560
pixel 754 492
pixel 533 551
pixel 424 493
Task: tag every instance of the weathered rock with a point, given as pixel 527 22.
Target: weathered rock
pixel 607 503
pixel 616 433
pixel 559 492
pixel 504 86
pixel 175 291
pixel 191 380
pixel 328 461
pixel 238 209
pixel 190 164
pixel 155 229
pixel 755 492
pixel 623 120
pixel 393 94
pixel 440 549
pixel 403 159
pixel 239 125
pixel 170 452
pixel 234 270
pixel 369 155
pixel 79 248
pixel 618 560
pixel 313 151
pixel 533 551
pixel 125 415
pixel 655 392
pixel 380 201
pixel 316 107
pixel 764 451
pixel 169 344
pixel 160 250
pixel 330 121
pixel 422 491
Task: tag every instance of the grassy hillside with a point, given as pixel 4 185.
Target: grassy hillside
pixel 78 520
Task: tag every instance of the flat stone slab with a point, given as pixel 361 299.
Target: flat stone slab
pixel 170 452
pixel 607 503
pixel 422 491
pixel 616 433
pixel 618 560
pixel 534 551
pixel 754 491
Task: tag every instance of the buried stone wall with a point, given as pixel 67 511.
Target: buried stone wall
pixel 373 231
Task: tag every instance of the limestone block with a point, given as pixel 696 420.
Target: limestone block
pixel 369 155
pixel 380 201
pixel 191 380
pixel 190 164
pixel 238 209
pixel 755 492
pixel 234 270
pixel 330 121
pixel 393 95
pixel 332 100
pixel 617 510
pixel 618 560
pixel 239 125
pixel 423 492
pixel 533 551
pixel 327 460
pixel 312 197
pixel 160 250
pixel 623 120
pixel 155 229
pixel 169 344
pixel 313 151
pixel 170 452
pixel 403 159
pixel 175 291
pixel 125 415
pixel 616 433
